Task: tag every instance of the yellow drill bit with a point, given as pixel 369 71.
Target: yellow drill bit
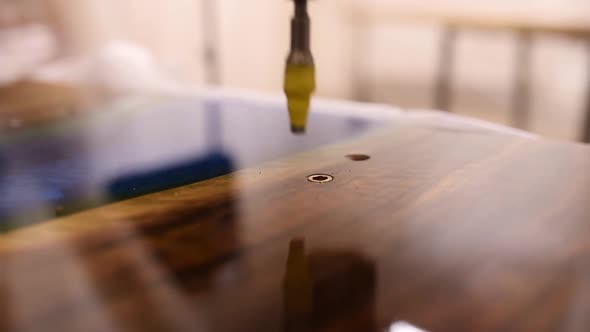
pixel 300 70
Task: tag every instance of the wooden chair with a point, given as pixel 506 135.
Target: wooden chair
pixel 453 23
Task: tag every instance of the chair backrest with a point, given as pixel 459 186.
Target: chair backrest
pixel 523 27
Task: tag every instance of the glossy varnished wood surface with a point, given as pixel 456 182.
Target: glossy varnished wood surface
pixel 446 230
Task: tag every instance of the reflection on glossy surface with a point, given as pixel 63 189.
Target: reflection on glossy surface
pixel 145 147
pixel 444 231
pixel 106 282
pixel 297 289
pixel 328 290
pixel 404 327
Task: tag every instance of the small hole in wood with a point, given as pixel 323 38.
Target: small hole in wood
pixel 358 157
pixel 320 178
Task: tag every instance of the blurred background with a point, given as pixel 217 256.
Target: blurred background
pixel 518 63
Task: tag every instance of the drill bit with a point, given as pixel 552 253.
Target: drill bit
pixel 300 70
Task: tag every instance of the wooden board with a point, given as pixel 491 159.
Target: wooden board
pixel 448 231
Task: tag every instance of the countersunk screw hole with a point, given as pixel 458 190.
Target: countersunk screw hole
pixel 320 178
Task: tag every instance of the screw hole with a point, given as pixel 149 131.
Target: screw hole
pixel 320 178
pixel 358 157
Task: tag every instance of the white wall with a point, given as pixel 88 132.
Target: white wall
pixel 170 29
pixel 398 60
pixel 255 43
pixel 254 37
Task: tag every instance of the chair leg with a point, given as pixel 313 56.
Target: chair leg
pixel 442 96
pixel 360 76
pixel 521 92
pixel 585 137
pixel 210 19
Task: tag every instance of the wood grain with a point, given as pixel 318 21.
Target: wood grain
pixel 448 231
